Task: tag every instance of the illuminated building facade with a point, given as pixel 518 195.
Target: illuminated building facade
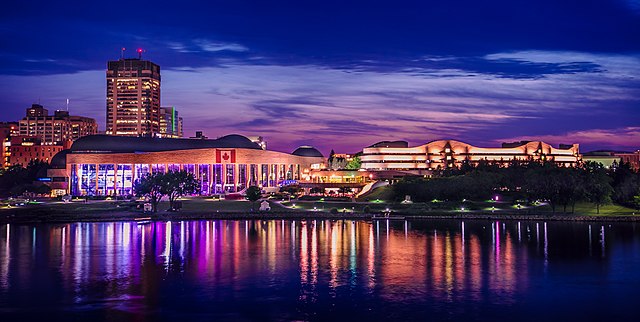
pixel 633 159
pixel 7 130
pixel 170 123
pixel 56 128
pixel 24 149
pixel 444 154
pixel 133 97
pixel 107 165
pixel 610 158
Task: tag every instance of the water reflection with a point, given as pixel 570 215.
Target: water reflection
pixel 133 268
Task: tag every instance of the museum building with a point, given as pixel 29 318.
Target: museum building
pixel 443 154
pixel 110 165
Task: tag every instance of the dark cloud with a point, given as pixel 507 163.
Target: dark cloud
pixel 348 72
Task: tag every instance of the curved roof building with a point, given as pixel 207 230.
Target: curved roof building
pixel 443 154
pixel 124 144
pixel 307 151
pixel 110 165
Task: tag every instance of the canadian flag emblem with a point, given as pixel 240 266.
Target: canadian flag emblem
pixel 225 156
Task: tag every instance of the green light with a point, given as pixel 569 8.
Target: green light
pixel 173 119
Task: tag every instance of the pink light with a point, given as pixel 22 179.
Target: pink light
pixel 139 50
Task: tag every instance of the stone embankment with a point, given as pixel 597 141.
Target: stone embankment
pixel 40 217
pixel 516 217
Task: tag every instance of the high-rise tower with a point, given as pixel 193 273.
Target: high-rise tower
pixel 133 97
pixel 170 123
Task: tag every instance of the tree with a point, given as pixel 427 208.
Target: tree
pixel 598 187
pixel 16 179
pixel 253 194
pixel 543 182
pixel 11 177
pixel 354 164
pixel 636 200
pixel 569 186
pixel 336 163
pixel 151 186
pixel 625 183
pixel 316 190
pixel 344 190
pixel 178 184
pixel 291 189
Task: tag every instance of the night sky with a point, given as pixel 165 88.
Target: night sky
pixel 344 74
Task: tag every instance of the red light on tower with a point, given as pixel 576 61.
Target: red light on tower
pixel 140 53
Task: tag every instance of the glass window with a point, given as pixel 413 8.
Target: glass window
pixel 87 175
pixel 75 190
pixel 264 179
pixel 159 168
pixel 253 175
pixel 242 176
pixel 203 174
pixel 229 185
pixel 106 179
pixel 124 179
pixel 290 172
pixel 218 178
pixel 273 173
pixel 189 168
pixel 141 170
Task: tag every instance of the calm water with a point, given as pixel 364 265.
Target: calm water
pixel 320 270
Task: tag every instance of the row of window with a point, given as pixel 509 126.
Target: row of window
pixel 110 179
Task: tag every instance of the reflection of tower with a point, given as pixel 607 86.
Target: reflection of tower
pixel 133 97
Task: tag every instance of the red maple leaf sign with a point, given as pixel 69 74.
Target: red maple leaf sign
pixel 225 156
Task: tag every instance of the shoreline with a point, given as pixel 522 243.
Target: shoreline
pixel 21 217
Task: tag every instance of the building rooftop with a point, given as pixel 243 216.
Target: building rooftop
pixel 307 151
pixel 59 161
pixel 124 144
pixel 390 144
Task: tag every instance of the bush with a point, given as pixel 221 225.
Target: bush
pixel 366 210
pixel 333 211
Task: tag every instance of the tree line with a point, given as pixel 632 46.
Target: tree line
pixel 559 186
pixel 16 179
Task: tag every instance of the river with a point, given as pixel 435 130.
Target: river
pixel 249 270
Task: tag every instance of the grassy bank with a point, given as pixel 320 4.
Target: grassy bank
pixel 200 207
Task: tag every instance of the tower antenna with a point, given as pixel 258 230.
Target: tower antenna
pixel 122 53
pixel 140 53
pixel 67 105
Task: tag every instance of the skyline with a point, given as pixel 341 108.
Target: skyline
pixel 344 76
